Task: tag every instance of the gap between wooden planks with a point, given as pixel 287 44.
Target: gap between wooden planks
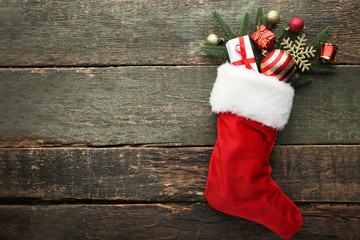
pixel 321 173
pixel 155 105
pixel 166 221
pixel 36 33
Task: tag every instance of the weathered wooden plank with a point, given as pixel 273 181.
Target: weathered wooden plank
pixel 38 33
pixel 304 173
pixel 165 221
pixel 155 105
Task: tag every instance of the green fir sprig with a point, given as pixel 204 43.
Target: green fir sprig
pixel 321 37
pixel 245 25
pixel 224 28
pixel 291 35
pixel 279 35
pixel 299 81
pixel 259 17
pixel 216 51
pixel 321 68
pixel 257 54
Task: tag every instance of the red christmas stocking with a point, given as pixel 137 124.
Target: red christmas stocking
pixel 252 108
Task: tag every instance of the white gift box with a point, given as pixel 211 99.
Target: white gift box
pixel 235 56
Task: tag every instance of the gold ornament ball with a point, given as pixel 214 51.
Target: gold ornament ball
pixel 273 17
pixel 213 40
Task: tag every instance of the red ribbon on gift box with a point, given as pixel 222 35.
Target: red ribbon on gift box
pixel 240 48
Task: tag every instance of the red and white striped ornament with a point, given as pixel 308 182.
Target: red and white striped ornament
pixel 278 63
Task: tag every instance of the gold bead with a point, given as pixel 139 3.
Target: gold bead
pixel 273 17
pixel 212 40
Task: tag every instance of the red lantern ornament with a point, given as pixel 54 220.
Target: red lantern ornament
pixel 278 63
pixel 296 25
pixel 328 52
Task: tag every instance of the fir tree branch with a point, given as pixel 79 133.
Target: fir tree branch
pixel 216 51
pixel 321 37
pixel 259 17
pixel 224 28
pixel 279 35
pixel 298 81
pixel 291 35
pixel 245 25
pixel 257 54
pixel 321 68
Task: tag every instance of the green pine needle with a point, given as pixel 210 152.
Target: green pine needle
pixel 291 35
pixel 321 68
pixel 298 81
pixel 224 28
pixel 257 54
pixel 279 35
pixel 259 16
pixel 321 37
pixel 216 51
pixel 245 25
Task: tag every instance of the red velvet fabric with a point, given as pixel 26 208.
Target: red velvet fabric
pixel 239 181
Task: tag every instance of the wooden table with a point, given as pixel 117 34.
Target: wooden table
pixel 106 131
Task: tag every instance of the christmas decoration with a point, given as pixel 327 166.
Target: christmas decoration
pixel 273 17
pixel 213 40
pixel 299 52
pixel 328 52
pixel 216 51
pixel 321 37
pixel 263 38
pixel 279 64
pixel 259 17
pixel 281 33
pixel 241 53
pixel 296 25
pixel 298 81
pixel 320 68
pixel 224 28
pixel 251 109
pixel 245 25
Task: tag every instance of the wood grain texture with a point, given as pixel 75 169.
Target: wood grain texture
pixel 165 221
pixel 88 33
pixel 155 106
pixel 304 173
pixel 52 121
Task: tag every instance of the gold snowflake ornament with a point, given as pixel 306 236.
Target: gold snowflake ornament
pixel 299 52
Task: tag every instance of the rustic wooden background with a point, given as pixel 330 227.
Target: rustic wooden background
pixel 106 131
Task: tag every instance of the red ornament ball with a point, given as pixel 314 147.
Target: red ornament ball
pixel 278 63
pixel 296 25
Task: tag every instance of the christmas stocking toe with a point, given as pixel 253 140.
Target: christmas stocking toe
pixel 252 108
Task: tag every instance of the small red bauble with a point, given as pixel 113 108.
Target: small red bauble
pixel 296 25
pixel 278 63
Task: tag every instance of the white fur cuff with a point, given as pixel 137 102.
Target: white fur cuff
pixel 252 95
